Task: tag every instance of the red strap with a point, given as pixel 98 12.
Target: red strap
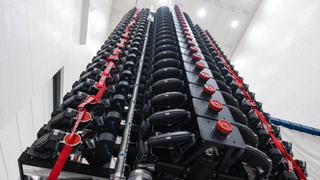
pixel 105 74
pixel 291 163
pixel 129 26
pixel 126 35
pixel 116 51
pixel 58 166
pixel 112 57
pixel 127 29
pixel 136 14
pixel 81 111
pixel 122 41
pixel 54 174
pixel 93 98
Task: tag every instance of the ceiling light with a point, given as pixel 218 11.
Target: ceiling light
pixel 234 24
pixel 201 13
pixel 163 2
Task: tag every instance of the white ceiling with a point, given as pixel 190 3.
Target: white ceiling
pixel 219 16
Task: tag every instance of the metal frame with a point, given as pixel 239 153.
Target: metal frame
pixel 70 166
pixel 119 168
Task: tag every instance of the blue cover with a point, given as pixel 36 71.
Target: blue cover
pixel 296 126
pixel 286 123
pixel 276 121
pixel 316 132
pixel 307 129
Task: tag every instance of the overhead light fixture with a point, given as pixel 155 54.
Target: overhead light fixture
pixel 201 13
pixel 163 2
pixel 234 24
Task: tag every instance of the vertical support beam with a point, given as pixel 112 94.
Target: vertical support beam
pixel 119 169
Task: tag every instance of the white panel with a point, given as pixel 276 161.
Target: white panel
pixel 4 50
pixel 25 125
pixel 22 78
pixel 39 26
pixel 9 2
pixel 23 96
pixel 48 100
pixel 37 111
pixel 3 170
pixel 6 91
pixel 58 57
pixel 118 4
pixel 22 68
pixel 13 17
pixel 38 9
pixel 11 150
pixel 129 5
pixel 35 42
pixel 285 56
pixel 62 4
pixel 38 48
pixel 305 147
pixel 8 110
pixel 1 120
pixel 192 5
pixel 82 22
pixel 17 41
pixel 140 3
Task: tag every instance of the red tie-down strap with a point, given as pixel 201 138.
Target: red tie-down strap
pixel 129 25
pixel 115 54
pixel 127 29
pixel 126 35
pixel 133 20
pixel 116 51
pixel 105 74
pixel 122 41
pixel 136 14
pixel 291 163
pixel 125 39
pixel 58 166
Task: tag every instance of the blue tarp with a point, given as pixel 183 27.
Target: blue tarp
pixel 295 126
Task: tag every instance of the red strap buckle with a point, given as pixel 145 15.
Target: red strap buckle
pixel 121 44
pixel 116 51
pixel 125 35
pixel 112 57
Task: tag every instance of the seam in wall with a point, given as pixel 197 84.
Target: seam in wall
pixel 5 167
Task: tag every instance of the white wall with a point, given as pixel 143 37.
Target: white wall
pixel 305 147
pixel 278 56
pixel 36 40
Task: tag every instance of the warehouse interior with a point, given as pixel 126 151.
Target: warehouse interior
pixel 46 44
